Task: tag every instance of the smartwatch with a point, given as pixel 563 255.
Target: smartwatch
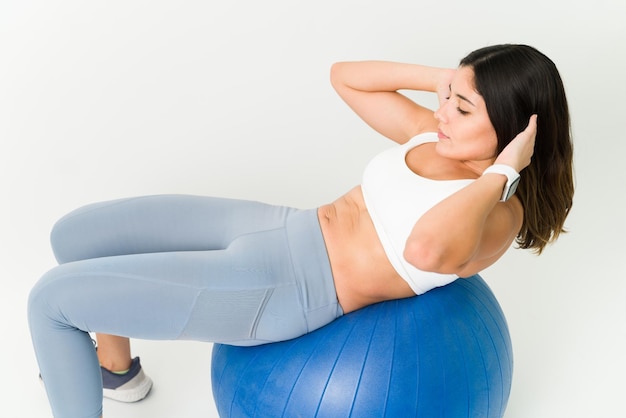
pixel 512 179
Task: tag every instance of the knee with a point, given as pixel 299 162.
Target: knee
pixel 60 240
pixel 67 235
pixel 39 302
pixel 44 302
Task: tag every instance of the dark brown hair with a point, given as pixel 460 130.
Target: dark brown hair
pixel 517 81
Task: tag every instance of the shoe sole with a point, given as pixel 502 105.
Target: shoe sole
pixel 135 394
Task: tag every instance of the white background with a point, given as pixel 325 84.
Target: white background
pixel 101 100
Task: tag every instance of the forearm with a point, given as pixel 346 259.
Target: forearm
pixel 462 229
pixel 370 88
pixel 376 76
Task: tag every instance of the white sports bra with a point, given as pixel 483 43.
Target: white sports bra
pixel 396 198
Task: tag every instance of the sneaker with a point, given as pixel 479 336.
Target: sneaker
pixel 131 386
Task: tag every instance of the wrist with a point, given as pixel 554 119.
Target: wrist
pixel 510 174
pixel 444 77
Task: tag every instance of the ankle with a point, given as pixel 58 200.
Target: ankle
pixel 116 366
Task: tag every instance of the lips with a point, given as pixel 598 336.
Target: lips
pixel 441 135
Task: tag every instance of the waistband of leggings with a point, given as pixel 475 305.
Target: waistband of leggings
pixel 312 268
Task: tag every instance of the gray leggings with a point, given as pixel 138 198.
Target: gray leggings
pixel 174 267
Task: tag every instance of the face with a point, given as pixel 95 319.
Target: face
pixel 465 131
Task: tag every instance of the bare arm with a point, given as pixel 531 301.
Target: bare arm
pixel 471 229
pixel 370 88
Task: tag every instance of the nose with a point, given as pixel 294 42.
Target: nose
pixel 440 114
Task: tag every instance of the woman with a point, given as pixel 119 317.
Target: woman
pixel 446 203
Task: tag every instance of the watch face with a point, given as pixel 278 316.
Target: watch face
pixel 512 188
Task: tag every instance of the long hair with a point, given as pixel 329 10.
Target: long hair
pixel 517 81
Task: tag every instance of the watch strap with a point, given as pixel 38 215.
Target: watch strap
pixel 512 177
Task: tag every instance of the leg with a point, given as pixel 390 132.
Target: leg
pixel 201 295
pixel 266 286
pixel 159 224
pixel 154 224
pixel 112 295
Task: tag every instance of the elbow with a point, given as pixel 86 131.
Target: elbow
pixel 340 73
pixel 429 257
pixel 335 74
pixel 423 256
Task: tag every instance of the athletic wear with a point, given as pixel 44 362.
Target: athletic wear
pixel 396 198
pixel 178 267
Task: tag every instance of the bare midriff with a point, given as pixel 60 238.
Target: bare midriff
pixel 363 275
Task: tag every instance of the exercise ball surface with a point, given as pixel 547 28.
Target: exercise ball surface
pixel 446 353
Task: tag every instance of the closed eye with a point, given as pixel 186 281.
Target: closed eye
pixel 461 98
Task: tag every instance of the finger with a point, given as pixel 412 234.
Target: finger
pixel 532 123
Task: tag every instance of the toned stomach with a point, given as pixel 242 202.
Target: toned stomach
pixel 363 275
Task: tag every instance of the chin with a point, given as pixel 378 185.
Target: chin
pixel 444 148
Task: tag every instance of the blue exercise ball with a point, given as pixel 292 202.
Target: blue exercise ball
pixel 446 353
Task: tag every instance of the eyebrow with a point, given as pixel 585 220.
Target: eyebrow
pixel 465 99
pixel 460 96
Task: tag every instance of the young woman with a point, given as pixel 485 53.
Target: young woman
pixel 491 166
